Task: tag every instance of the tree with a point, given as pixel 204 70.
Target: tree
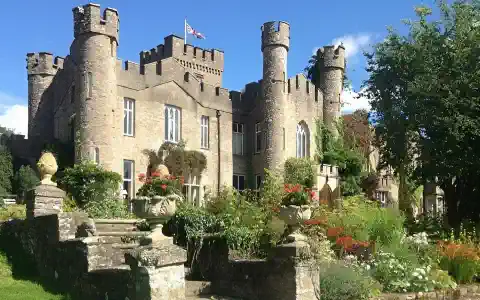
pixel 424 91
pixel 25 179
pixel 6 170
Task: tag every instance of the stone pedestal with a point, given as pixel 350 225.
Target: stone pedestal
pixel 43 200
pixel 158 272
pixel 300 278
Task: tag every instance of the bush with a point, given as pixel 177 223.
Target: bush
pixel 14 211
pixel 88 182
pixel 342 282
pixel 299 171
pixel 107 208
pixel 462 261
pixel 25 179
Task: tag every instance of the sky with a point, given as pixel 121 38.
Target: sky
pixel 232 26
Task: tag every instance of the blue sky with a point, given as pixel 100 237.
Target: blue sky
pixel 233 26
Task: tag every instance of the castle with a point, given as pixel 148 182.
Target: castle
pixel 112 111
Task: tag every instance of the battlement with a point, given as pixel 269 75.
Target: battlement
pixel 175 46
pixel 276 33
pixel 332 56
pixel 43 63
pixel 328 170
pixel 88 18
pixel 301 85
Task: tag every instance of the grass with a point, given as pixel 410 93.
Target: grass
pixel 21 289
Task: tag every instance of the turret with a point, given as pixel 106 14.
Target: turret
pixel 41 68
pixel 331 67
pixel 94 51
pixel 275 45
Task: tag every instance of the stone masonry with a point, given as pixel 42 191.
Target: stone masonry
pixel 112 110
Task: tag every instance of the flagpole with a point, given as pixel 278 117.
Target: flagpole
pixel 185 30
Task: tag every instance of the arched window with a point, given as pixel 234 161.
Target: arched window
pixel 302 140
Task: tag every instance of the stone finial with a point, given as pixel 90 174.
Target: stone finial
pixel 47 166
pixel 162 170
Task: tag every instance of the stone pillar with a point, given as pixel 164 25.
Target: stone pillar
pixel 300 276
pixel 158 272
pixel 44 200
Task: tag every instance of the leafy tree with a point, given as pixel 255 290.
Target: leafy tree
pixel 423 88
pixel 25 178
pixel 6 170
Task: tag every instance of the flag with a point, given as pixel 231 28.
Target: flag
pixel 190 30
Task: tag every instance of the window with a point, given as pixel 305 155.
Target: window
pixel 191 189
pixel 302 140
pixel 172 124
pixel 238 130
pixel 128 169
pixel 95 155
pixel 204 143
pixel 90 84
pixel 239 182
pixel 382 196
pixel 128 116
pixel 258 138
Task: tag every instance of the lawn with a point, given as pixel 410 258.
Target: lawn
pixel 13 289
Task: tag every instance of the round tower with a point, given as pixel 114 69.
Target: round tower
pixel 275 45
pixel 41 70
pixel 94 51
pixel 331 67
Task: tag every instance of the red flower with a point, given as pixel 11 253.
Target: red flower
pixel 141 177
pixel 346 242
pixel 182 180
pixel 156 174
pixel 164 187
pixel 314 222
pixel 334 231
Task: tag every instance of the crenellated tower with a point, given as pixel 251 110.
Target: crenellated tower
pixel 41 68
pixel 94 51
pixel 275 45
pixel 331 67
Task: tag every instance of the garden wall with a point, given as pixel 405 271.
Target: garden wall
pixel 81 266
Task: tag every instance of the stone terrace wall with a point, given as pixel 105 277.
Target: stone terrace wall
pixel 80 266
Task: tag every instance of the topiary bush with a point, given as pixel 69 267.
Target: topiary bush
pixel 25 179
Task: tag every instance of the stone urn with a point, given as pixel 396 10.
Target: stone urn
pixel 294 216
pixel 159 211
pixel 47 167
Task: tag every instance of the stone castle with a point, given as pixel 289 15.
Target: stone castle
pixel 112 110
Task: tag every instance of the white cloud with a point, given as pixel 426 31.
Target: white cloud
pixel 13 113
pixel 353 44
pixel 352 102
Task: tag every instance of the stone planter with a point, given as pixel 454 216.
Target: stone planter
pixel 294 216
pixel 159 210
pixel 140 206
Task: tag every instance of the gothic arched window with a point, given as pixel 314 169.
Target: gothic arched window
pixel 302 140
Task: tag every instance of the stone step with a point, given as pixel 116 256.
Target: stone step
pixel 111 225
pixel 195 288
pixel 123 233
pixel 211 297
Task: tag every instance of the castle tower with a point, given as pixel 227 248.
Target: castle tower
pixel 95 50
pixel 275 45
pixel 41 69
pixel 331 67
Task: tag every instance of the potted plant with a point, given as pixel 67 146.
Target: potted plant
pixel 158 195
pixel 296 209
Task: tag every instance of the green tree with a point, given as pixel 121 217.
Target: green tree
pixel 6 170
pixel 423 88
pixel 25 179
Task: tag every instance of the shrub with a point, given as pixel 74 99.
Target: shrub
pixel 342 282
pixel 299 171
pixel 25 179
pixel 108 208
pixel 462 261
pixel 14 211
pixel 90 182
